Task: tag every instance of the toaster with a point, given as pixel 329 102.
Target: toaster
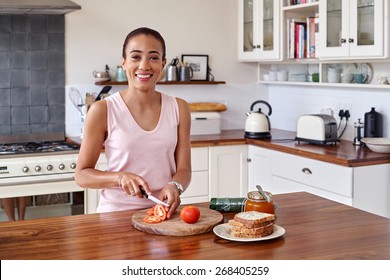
pixel 317 129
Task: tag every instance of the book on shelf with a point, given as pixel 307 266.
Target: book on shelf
pixel 302 37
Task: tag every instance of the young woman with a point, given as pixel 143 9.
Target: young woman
pixel 145 133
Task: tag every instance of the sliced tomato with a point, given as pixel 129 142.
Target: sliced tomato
pixel 150 212
pixel 159 211
pixel 152 219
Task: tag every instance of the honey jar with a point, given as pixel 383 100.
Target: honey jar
pixel 256 202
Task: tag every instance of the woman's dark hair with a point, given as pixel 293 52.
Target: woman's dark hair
pixel 144 31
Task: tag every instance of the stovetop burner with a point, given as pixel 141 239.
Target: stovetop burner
pixel 37 147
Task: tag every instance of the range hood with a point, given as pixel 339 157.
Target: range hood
pixel 37 7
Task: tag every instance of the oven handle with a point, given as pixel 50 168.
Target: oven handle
pixel 27 180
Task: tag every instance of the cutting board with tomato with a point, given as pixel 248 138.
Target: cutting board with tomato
pixel 176 226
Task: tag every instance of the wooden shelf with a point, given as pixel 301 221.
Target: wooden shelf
pixel 114 83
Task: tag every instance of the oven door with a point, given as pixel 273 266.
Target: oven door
pixel 45 196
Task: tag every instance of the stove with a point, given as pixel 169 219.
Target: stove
pixel 37 147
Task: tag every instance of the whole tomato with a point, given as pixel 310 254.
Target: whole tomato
pixel 190 214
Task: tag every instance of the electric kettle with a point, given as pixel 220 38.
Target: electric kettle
pixel 257 125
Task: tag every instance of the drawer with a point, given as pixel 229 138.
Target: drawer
pixel 326 176
pixel 200 159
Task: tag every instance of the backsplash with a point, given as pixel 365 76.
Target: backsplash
pixel 32 74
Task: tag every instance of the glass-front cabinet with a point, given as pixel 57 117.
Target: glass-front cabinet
pixel 351 28
pixel 258 30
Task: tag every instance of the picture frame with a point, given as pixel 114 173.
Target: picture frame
pixel 199 64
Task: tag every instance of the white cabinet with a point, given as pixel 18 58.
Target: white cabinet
pixel 372 189
pixel 294 173
pixel 279 172
pixel 228 171
pixel 259 168
pixel 258 30
pixel 352 29
pixel 198 190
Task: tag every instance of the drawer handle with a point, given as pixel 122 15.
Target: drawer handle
pixel 306 171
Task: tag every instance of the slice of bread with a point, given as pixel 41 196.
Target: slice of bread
pixel 253 219
pixel 267 231
pixel 253 231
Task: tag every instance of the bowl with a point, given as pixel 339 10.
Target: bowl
pixel 377 144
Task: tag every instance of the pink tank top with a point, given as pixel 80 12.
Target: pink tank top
pixel 129 148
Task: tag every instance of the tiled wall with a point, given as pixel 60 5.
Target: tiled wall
pixel 32 76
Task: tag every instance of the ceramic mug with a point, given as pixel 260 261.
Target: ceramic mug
pixel 334 77
pixel 360 78
pixel 346 78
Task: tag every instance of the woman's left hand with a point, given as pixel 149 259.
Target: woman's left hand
pixel 170 194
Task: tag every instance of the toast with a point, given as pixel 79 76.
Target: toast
pixel 253 219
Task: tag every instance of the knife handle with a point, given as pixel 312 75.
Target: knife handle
pixel 143 192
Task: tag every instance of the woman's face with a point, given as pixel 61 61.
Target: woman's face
pixel 143 63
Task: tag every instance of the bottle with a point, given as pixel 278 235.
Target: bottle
pixel 228 204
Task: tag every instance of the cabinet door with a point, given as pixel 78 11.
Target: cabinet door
pixel 351 28
pixel 258 30
pixel 259 168
pixel 228 171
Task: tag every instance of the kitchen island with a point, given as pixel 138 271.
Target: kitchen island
pixel 316 228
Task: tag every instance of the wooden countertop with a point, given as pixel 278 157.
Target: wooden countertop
pixel 344 153
pixel 316 228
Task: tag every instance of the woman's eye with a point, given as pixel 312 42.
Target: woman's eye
pixel 154 58
pixel 135 57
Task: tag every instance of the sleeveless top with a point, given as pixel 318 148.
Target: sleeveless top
pixel 129 148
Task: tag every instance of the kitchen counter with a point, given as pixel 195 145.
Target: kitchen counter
pixel 316 228
pixel 344 153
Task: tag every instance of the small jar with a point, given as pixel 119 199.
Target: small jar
pixel 256 202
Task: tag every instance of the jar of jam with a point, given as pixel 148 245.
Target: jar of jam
pixel 256 202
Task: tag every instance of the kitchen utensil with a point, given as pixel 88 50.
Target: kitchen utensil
pixel 317 129
pixel 105 89
pixel 152 198
pixel 76 99
pixel 377 144
pixel 175 226
pixel 172 70
pixel 186 73
pixel 373 124
pixel 120 74
pixel 263 193
pixel 358 133
pixel 257 125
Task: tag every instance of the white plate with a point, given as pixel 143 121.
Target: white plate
pixel 223 231
pixel 366 68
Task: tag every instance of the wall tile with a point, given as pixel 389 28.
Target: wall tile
pixel 32 76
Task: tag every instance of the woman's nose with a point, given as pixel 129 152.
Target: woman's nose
pixel 144 64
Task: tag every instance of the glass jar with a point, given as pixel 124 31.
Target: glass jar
pixel 256 202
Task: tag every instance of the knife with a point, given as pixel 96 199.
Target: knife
pixel 152 198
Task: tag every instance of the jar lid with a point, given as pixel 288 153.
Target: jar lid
pixel 257 196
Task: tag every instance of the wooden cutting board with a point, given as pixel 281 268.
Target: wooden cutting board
pixel 176 226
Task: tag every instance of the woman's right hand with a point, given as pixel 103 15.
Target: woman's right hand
pixel 131 184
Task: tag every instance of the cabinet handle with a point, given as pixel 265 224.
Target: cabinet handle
pixel 248 160
pixel 350 40
pixel 306 171
pixel 343 41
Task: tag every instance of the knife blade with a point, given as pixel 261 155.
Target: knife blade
pixel 152 198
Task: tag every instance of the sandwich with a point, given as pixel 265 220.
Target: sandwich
pixel 252 224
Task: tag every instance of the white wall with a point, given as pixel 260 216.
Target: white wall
pixel 94 37
pixel 95 34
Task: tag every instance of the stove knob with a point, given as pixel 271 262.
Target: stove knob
pixel 37 168
pixel 61 166
pixel 49 167
pixel 73 165
pixel 25 169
